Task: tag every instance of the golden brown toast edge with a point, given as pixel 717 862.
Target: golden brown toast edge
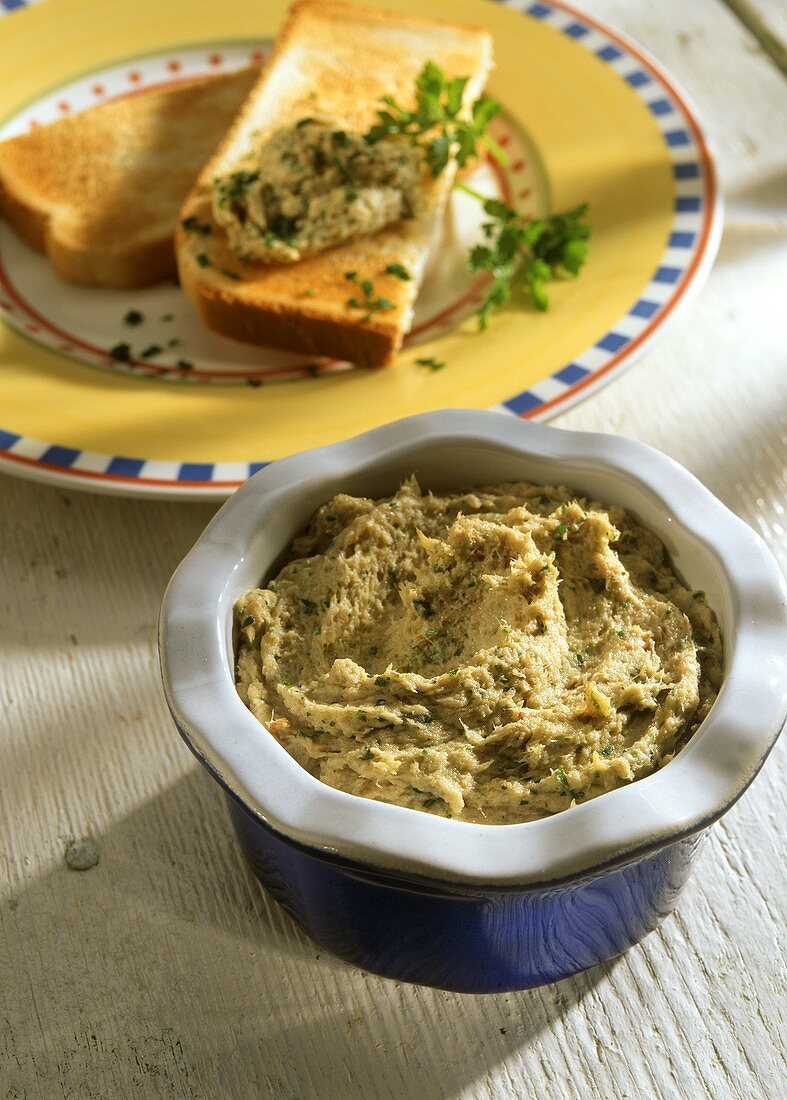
pixel 142 264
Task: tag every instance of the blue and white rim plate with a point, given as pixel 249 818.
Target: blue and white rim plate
pixel 687 259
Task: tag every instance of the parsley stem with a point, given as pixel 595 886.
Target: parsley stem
pixel 496 150
pixel 459 186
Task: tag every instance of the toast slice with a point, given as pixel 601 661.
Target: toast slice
pixel 333 61
pixel 100 192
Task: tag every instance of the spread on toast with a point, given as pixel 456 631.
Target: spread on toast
pixel 313 186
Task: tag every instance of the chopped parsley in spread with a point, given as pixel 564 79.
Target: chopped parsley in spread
pixel 194 225
pixel 449 654
pixel 313 186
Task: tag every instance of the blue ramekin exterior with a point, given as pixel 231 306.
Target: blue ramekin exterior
pixel 459 938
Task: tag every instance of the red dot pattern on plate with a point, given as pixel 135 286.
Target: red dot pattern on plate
pixel 135 76
pixel 32 124
pixel 518 165
pixel 256 55
pixel 97 89
pixel 528 191
pixel 504 140
pixel 215 59
pixel 173 66
pixel 64 107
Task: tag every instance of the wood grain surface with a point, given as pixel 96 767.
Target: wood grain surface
pixel 164 971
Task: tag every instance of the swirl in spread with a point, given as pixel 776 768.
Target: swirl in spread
pixel 493 656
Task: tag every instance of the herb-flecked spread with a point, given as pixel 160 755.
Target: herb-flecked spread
pixel 493 656
pixel 313 186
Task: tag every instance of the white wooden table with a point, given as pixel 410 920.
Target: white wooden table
pixel 165 971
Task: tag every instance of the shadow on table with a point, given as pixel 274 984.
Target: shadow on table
pixel 167 964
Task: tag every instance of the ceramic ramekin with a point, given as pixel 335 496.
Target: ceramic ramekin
pixel 420 898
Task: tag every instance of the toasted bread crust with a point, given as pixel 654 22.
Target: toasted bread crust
pixel 148 262
pixel 338 59
pixel 151 261
pixel 28 221
pixel 291 328
pixel 99 193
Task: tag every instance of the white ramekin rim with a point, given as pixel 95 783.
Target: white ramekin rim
pixel 699 785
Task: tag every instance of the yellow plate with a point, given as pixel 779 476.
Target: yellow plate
pixel 598 121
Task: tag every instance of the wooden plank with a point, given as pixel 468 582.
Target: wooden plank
pixel 165 971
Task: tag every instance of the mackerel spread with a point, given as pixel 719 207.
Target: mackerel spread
pixel 493 656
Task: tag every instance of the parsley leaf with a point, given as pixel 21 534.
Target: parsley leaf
pixel 562 782
pixel 532 250
pixel 438 113
pixel 121 353
pixel 400 271
pixel 368 302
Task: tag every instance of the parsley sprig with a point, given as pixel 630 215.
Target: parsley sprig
pixel 530 251
pixel 517 249
pixel 438 103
